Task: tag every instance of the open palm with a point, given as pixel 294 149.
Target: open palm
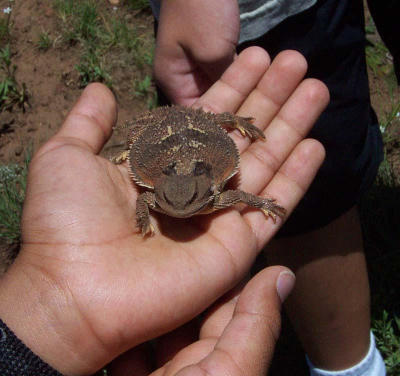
pixel 116 289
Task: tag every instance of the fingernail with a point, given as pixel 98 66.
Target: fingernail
pixel 285 284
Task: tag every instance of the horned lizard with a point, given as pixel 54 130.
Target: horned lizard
pixel 183 157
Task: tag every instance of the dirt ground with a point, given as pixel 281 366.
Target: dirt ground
pixel 52 80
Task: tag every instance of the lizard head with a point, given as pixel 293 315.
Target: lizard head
pixel 184 195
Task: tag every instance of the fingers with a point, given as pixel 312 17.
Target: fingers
pixel 284 157
pixel 288 186
pixel 90 121
pixel 276 86
pixel 246 345
pixel 283 105
pixel 251 335
pixel 289 126
pixel 287 112
pixel 228 93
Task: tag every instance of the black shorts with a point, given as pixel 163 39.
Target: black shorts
pixel 331 37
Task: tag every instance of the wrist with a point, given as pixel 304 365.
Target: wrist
pixel 39 312
pixel 16 359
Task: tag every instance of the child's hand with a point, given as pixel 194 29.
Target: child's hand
pixel 196 42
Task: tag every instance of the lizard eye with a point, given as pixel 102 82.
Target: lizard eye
pixel 170 169
pixel 201 168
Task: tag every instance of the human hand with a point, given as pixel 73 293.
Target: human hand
pixel 196 42
pixel 237 335
pixel 91 286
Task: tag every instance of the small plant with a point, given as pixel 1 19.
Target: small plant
pixel 5 26
pixel 80 20
pixel 11 92
pixel 376 55
pixel 12 194
pixel 370 26
pixel 387 334
pixel 64 8
pixel 392 115
pixel 118 33
pixel 142 87
pixel 86 21
pixel 44 41
pixel 91 70
pixel 106 40
pixel 145 89
pixel 138 4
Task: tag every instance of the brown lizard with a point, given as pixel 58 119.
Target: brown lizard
pixel 183 157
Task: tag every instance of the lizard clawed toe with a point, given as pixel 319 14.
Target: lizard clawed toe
pixel 147 229
pixel 273 211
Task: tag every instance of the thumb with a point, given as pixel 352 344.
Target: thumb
pixel 249 338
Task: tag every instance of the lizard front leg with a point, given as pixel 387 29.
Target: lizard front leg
pixel 243 124
pixel 143 202
pixel 232 197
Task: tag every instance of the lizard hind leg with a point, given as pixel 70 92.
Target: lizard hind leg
pixel 243 124
pixel 267 205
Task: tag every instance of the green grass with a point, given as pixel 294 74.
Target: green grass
pixel 81 25
pixel 12 194
pixel 377 56
pixel 105 39
pixel 91 69
pixel 117 36
pixel 12 93
pixel 387 333
pixel 43 42
pixel 138 5
pixel 389 117
pixel 4 31
pixel 384 268
pixel 5 25
pixel 145 89
pixel 80 19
